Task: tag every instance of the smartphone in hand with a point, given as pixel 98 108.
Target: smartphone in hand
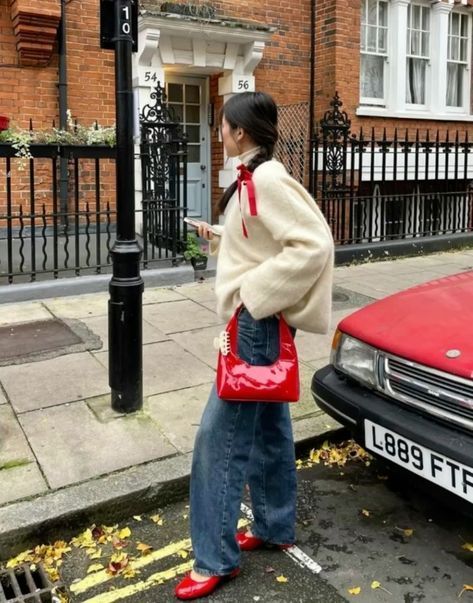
pixel 197 223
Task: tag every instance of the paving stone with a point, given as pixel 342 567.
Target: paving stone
pixel 49 382
pixel 94 304
pixel 311 427
pixel 200 343
pixel 200 292
pixel 21 482
pixel 175 317
pixel 3 400
pixel 14 447
pixel 22 312
pixel 311 346
pixel 306 405
pixel 72 445
pixel 167 367
pixel 161 294
pixel 99 326
pixel 178 414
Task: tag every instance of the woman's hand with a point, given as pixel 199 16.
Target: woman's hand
pixel 204 231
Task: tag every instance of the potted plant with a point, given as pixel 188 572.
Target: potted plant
pixel 194 253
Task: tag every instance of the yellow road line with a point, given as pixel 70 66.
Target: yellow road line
pixel 138 587
pixel 93 580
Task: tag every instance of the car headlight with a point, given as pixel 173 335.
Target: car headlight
pixel 354 358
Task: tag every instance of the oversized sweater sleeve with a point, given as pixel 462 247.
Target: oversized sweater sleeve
pixel 214 243
pixel 291 218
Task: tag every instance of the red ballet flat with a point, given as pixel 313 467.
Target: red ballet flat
pixel 191 589
pixel 252 543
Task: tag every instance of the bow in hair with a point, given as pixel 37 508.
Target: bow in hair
pixel 245 179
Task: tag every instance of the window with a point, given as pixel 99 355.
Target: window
pixel 418 53
pixel 374 47
pixel 457 61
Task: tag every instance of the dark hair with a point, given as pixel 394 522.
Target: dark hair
pixel 257 114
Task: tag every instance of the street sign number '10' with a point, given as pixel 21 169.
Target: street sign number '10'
pixel 128 22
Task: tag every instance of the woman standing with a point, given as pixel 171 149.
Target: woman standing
pixel 275 254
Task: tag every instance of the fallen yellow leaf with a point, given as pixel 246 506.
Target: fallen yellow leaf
pixel 468 547
pixel 281 579
pixel 183 554
pixel 96 567
pixel 356 590
pixel 465 587
pixel 375 584
pixel 408 532
pixel 125 533
pixel 157 519
pixel 144 549
pixel 365 512
pixel 138 517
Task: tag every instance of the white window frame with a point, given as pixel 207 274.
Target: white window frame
pixel 378 53
pixel 465 106
pixel 435 107
pixel 426 58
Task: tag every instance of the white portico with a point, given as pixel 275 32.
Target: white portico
pixel 181 53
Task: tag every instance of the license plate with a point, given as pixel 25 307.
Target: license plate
pixel 431 465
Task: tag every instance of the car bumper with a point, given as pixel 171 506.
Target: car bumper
pixel 350 404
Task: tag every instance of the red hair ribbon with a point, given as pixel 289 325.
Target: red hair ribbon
pixel 245 178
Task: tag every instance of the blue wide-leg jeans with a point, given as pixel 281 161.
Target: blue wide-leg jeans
pixel 238 443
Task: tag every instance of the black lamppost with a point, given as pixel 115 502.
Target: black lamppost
pixel 118 26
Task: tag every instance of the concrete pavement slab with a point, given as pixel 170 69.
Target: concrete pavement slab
pixel 99 326
pixel 160 295
pixel 22 312
pixel 21 482
pixel 178 414
pixel 3 399
pixel 315 426
pixel 72 445
pixel 167 367
pixel 175 317
pixel 200 343
pixel 46 383
pixel 94 304
pixel 14 448
pixel 306 405
pixel 199 292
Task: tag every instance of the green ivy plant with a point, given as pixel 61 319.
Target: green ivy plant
pixel 74 134
pixel 193 249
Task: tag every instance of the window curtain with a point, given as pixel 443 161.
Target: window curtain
pixel 415 84
pixel 372 76
pixel 454 85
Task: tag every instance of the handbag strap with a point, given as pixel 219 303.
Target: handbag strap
pixel 286 340
pixel 245 179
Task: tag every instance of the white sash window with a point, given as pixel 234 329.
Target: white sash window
pixel 374 47
pixel 457 62
pixel 418 53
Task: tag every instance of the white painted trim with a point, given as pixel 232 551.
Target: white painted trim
pixel 385 112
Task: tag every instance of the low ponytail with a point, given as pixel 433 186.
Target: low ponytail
pixel 257 114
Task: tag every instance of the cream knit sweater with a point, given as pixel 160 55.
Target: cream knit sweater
pixel 286 263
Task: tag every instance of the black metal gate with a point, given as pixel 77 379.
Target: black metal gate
pixel 163 153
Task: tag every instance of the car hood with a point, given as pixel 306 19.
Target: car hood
pixel 422 324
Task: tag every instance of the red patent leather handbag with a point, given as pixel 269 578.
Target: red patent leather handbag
pixel 239 381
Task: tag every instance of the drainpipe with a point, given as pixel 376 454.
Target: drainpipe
pixel 312 84
pixel 62 50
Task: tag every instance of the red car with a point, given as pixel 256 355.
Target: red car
pixel 401 378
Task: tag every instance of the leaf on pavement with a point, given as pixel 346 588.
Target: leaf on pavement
pixel 408 532
pixel 157 519
pixel 85 540
pixel 138 517
pixel 95 567
pixel 375 584
pixel 184 554
pixel 356 590
pixel 365 512
pixel 281 578
pixel 118 563
pixel 125 533
pixel 465 587
pixel 468 547
pixel 145 549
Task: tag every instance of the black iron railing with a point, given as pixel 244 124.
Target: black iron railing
pixel 375 187
pixel 42 238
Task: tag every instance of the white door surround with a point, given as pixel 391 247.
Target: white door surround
pixel 191 47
